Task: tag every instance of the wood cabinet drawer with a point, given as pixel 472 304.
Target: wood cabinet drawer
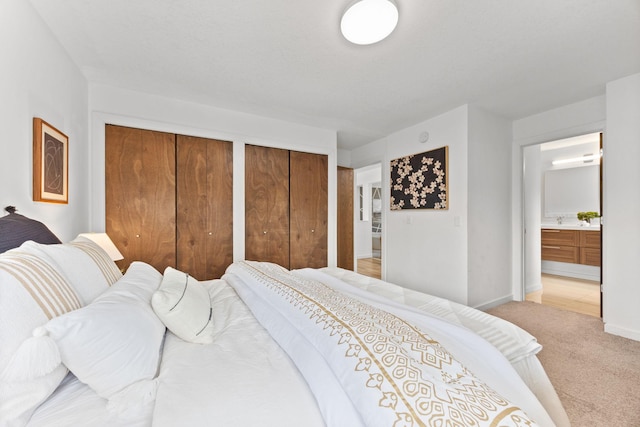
pixel 560 253
pixel 554 237
pixel 590 239
pixel 590 256
pixel 572 246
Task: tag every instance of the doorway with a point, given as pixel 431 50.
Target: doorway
pixel 563 261
pixel 368 229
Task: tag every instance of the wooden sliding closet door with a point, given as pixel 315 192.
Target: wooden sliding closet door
pixel 140 195
pixel 204 206
pixel 345 218
pixel 308 209
pixel 267 204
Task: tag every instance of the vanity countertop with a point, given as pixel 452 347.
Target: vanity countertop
pixel 595 227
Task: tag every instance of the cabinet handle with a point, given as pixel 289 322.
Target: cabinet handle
pixel 264 232
pixel 550 231
pixel 551 247
pixel 313 231
pixel 137 235
pixel 210 233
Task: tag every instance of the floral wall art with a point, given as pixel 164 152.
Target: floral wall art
pixel 419 181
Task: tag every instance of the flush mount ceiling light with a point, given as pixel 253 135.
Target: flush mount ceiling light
pixel 369 21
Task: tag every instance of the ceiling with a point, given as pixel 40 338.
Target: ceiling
pixel 287 59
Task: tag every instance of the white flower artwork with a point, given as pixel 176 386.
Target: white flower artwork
pixel 419 181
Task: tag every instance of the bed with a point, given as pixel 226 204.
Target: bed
pixel 83 344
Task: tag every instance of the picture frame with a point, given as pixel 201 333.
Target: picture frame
pixel 420 181
pixel 50 163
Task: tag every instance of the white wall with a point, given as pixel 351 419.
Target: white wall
pixel 619 109
pixel 426 249
pixel 621 230
pixel 489 211
pixel 571 120
pixel 461 253
pixel 37 79
pixel 129 108
pixel 532 189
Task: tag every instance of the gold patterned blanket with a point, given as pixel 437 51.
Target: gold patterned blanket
pixel 389 371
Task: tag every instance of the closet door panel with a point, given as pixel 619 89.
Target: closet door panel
pixel 345 218
pixel 123 186
pixel 140 195
pixel 308 198
pixel 204 206
pixel 267 204
pixel 220 221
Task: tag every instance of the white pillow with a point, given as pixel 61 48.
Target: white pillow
pixel 184 306
pixel 32 291
pixel 114 343
pixel 87 266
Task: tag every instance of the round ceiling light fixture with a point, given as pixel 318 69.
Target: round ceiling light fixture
pixel 369 21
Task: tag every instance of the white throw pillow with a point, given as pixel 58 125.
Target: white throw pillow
pixel 184 306
pixel 86 265
pixel 32 291
pixel 113 344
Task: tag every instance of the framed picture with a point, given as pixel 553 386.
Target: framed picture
pixel 419 181
pixel 50 163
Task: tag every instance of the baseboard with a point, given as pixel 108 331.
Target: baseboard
pixel 577 271
pixel 533 288
pixel 494 303
pixel 622 332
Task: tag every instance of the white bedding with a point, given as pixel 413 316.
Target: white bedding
pixel 75 404
pixel 381 360
pixel 244 377
pixel 518 346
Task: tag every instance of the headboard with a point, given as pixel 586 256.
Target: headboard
pixel 16 229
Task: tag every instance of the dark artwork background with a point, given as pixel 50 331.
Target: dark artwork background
pixel 53 165
pixel 419 181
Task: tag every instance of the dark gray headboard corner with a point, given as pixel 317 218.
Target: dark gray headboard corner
pixel 16 229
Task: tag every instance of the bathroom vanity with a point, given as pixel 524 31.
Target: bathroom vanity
pixel 571 244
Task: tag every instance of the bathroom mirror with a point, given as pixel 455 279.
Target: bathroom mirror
pixel 572 190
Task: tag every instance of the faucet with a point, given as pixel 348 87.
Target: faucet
pixel 559 219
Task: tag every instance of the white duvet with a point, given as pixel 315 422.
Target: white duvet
pixel 245 378
pixel 242 379
pixel 381 345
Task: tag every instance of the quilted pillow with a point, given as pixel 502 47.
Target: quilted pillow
pixel 16 229
pixel 184 306
pixel 32 292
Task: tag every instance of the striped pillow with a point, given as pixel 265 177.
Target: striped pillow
pixel 32 292
pixel 107 267
pixel 86 265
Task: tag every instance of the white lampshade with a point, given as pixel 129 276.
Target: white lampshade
pixel 105 243
pixel 369 21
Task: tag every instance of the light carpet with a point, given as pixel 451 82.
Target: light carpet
pixel 596 375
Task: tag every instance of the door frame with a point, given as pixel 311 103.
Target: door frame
pixel 523 231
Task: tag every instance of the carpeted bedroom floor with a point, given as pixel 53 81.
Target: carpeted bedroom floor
pixel 596 375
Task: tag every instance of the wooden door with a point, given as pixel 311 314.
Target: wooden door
pixel 140 195
pixel 345 218
pixel 267 204
pixel 308 182
pixel 204 206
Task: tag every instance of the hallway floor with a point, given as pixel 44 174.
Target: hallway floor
pixel 370 267
pixel 581 296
